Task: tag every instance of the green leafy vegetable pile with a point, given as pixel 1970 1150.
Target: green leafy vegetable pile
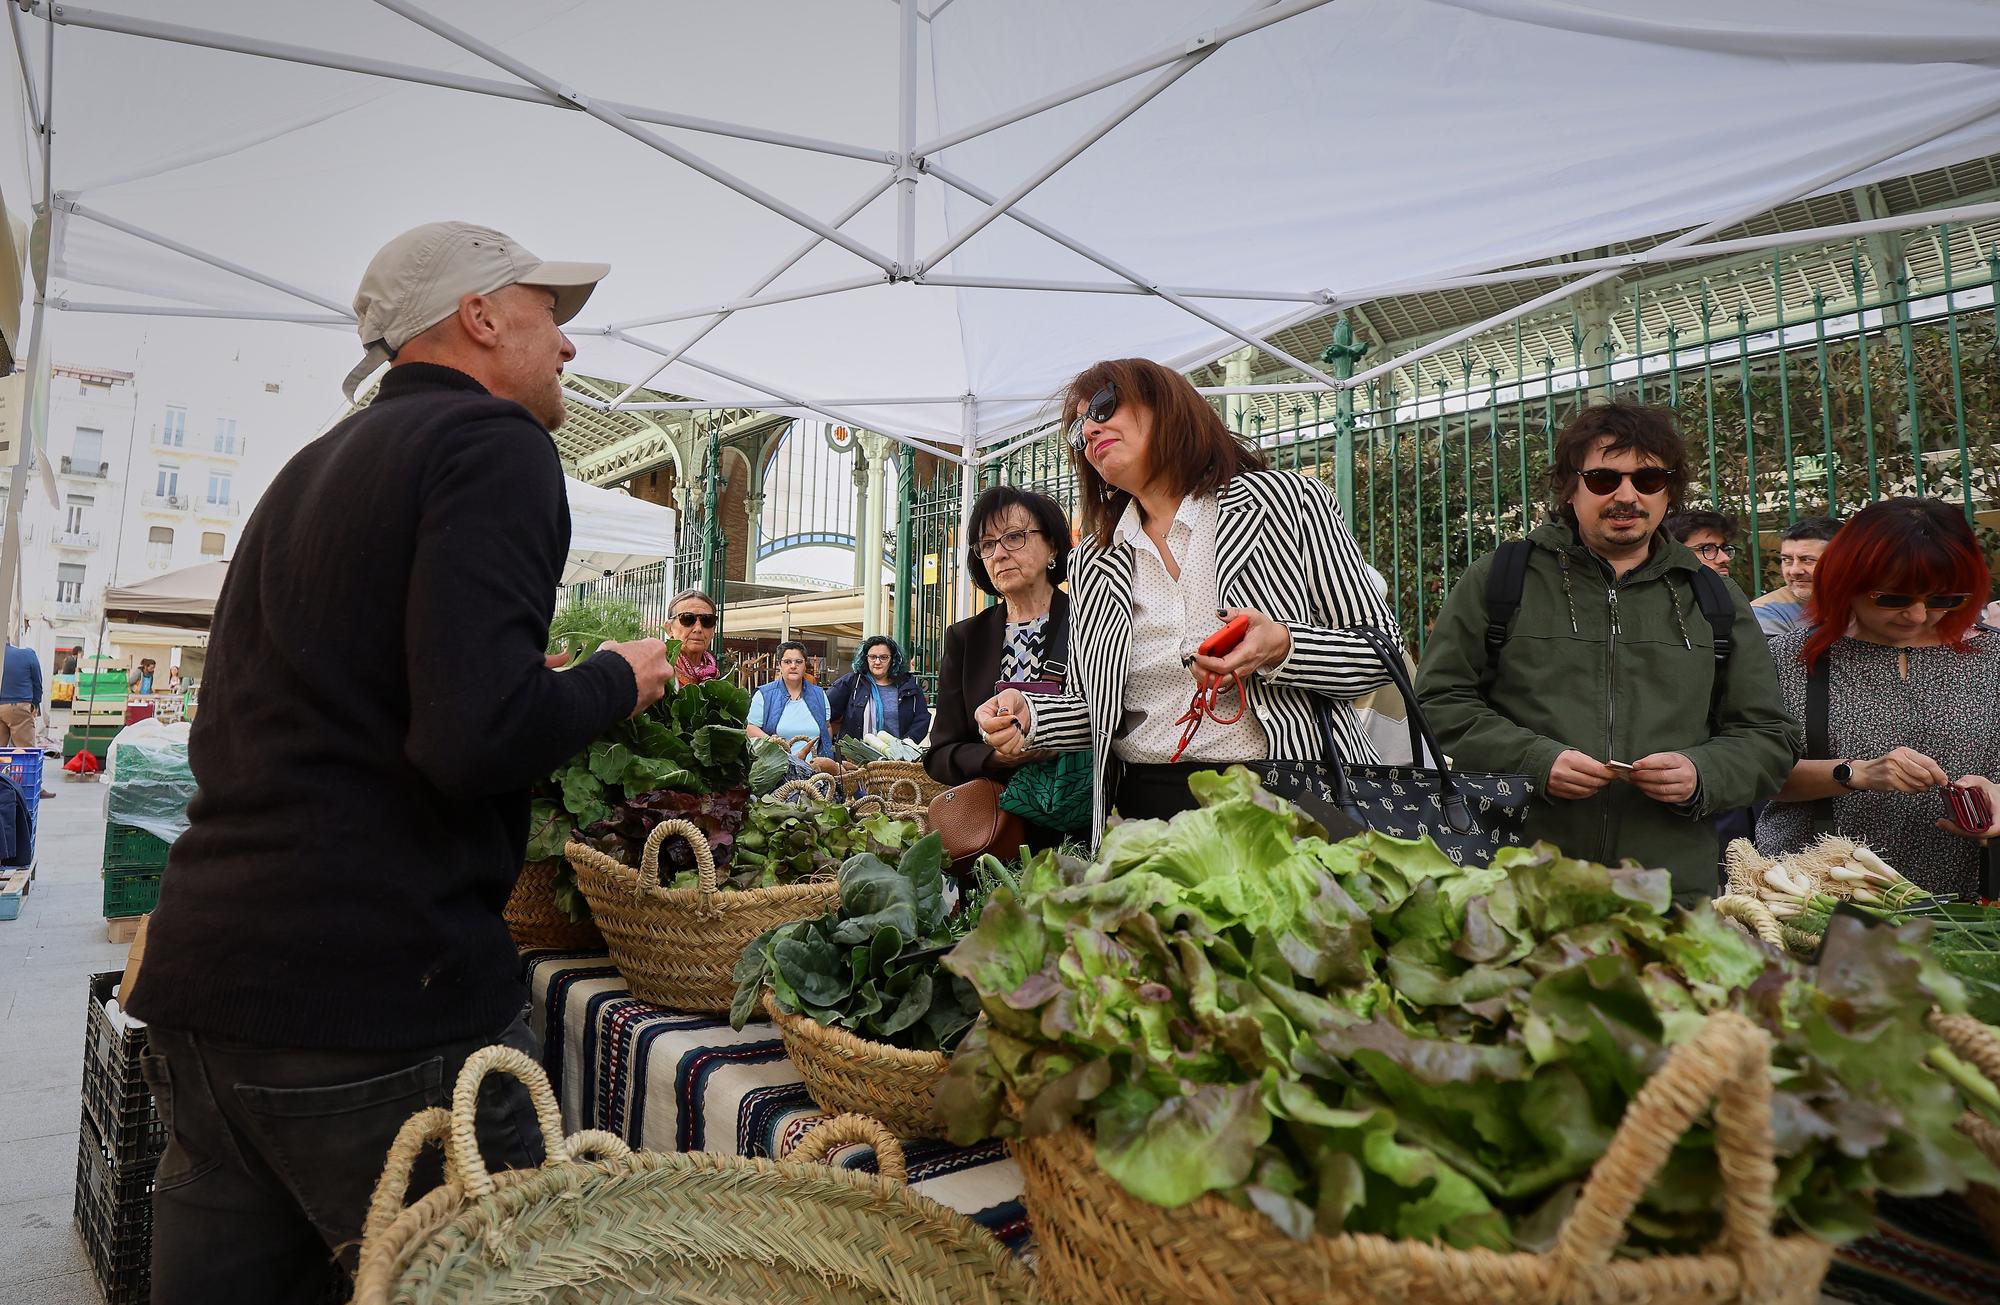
pixel 1364 1036
pixel 870 967
pixel 785 842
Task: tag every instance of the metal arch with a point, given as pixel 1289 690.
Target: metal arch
pixel 803 539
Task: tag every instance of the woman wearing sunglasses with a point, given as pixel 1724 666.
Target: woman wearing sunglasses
pixel 1912 694
pixel 691 619
pixel 1185 529
pixel 879 694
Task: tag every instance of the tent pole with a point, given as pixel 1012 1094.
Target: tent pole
pixel 35 109
pixel 1782 195
pixel 756 301
pixel 35 383
pixel 610 117
pixel 1319 297
pixel 282 52
pixel 1179 69
pixel 1216 37
pixel 1119 269
pixel 968 490
pixel 906 138
pixel 166 242
pixel 1838 233
pixel 869 196
pixel 64 304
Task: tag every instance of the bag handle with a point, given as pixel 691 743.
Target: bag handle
pixel 1819 732
pixel 843 1129
pixel 649 860
pixel 1728 1062
pixel 1451 802
pixel 819 788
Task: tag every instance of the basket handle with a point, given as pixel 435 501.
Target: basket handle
pixel 819 787
pixel 649 860
pixel 462 1142
pixel 596 1144
pixel 417 1132
pixel 1727 1062
pixel 905 782
pixel 1971 1041
pixel 842 1129
pixel 1751 912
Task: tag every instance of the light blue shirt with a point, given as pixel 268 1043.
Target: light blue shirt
pixel 794 723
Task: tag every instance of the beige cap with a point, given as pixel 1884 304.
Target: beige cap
pixel 416 280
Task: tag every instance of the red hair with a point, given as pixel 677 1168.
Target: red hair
pixel 1900 545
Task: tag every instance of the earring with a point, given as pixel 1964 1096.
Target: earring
pixel 1052 564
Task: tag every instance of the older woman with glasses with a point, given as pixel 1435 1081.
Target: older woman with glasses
pixel 691 619
pixel 1909 699
pixel 1019 553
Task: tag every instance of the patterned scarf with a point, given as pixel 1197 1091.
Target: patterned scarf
pixel 688 672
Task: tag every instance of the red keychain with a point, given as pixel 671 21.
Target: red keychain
pixel 1206 700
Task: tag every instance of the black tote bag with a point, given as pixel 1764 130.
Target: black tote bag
pixel 1469 814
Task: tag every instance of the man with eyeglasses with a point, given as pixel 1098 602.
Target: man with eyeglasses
pixel 1601 658
pixel 1710 535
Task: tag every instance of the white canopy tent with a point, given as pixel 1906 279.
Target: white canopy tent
pixel 921 217
pixel 610 532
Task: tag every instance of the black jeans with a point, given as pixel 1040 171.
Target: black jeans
pixel 272 1155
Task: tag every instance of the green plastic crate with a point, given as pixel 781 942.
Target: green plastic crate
pixel 130 892
pixel 130 848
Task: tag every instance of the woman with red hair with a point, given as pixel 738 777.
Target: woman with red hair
pixel 1912 695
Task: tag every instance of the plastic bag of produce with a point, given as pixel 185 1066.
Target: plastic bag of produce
pixel 149 783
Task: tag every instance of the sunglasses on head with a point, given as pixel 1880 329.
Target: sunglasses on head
pixel 1931 602
pixel 1102 405
pixel 1603 481
pixel 689 620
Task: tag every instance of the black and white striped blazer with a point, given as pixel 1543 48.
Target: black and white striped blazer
pixel 1283 550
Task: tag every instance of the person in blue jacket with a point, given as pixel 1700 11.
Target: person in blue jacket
pixel 791 708
pixel 880 694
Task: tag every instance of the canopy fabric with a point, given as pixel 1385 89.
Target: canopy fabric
pixel 182 600
pixel 839 612
pixel 611 532
pixel 1359 144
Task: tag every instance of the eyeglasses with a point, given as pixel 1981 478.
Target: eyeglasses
pixel 1604 481
pixel 1709 552
pixel 1102 405
pixel 689 620
pixel 1931 602
pixel 1011 542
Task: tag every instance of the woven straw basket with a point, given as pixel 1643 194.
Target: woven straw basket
pixel 890 779
pixel 628 1227
pixel 534 919
pixel 848 1073
pixel 1979 1046
pixel 678 947
pixel 1098 1243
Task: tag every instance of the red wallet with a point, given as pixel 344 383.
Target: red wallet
pixel 1969 806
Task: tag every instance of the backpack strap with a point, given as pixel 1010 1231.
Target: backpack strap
pixel 1504 584
pixel 1720 609
pixel 1819 741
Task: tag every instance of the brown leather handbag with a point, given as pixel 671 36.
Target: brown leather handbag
pixel 970 822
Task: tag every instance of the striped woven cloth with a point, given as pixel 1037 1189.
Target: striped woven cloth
pixel 668 1080
pixel 1926 1252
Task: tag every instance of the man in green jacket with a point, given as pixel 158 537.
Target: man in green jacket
pixel 1605 691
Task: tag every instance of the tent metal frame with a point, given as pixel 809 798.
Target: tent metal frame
pixel 906 166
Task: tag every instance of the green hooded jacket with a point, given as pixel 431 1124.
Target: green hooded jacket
pixel 1618 670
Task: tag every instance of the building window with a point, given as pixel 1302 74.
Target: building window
pixel 173 429
pixel 79 513
pixel 88 450
pixel 69 582
pixel 218 487
pixel 225 435
pixel 167 482
pixel 211 543
pixel 159 546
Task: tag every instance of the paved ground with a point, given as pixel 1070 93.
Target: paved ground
pixel 46 958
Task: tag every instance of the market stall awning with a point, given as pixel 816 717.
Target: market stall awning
pixel 183 600
pixel 611 532
pixel 836 612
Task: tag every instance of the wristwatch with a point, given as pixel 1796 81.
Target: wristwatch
pixel 1843 775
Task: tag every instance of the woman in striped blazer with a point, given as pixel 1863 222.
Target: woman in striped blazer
pixel 1185 528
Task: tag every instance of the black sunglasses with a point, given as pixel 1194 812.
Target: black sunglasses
pixel 1603 481
pixel 1102 405
pixel 689 620
pixel 1931 602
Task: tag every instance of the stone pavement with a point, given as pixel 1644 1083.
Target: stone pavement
pixel 46 959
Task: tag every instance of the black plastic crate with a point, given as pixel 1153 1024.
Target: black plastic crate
pixel 116 1100
pixel 114 1212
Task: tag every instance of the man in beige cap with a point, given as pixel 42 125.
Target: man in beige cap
pixel 328 946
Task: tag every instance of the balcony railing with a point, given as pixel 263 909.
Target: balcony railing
pixel 71 608
pixel 219 507
pixel 94 470
pixel 75 539
pixel 229 447
pixel 166 502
